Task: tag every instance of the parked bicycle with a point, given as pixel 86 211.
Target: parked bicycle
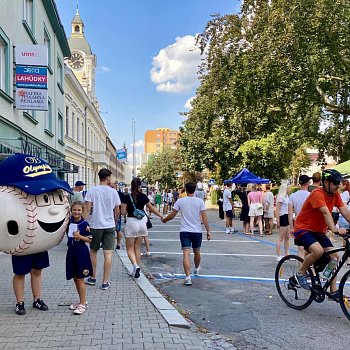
pixel 298 298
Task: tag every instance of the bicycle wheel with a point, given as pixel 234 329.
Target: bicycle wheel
pixel 288 289
pixel 344 291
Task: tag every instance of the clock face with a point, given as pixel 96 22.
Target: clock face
pixel 76 61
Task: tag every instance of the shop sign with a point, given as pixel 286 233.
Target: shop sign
pixel 31 55
pixel 31 99
pixel 31 77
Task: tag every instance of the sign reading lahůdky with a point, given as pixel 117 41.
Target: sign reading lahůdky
pixel 31 77
pixel 31 55
pixel 32 99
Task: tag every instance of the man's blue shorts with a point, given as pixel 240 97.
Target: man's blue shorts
pixel 23 264
pixel 229 213
pixel 307 238
pixel 191 239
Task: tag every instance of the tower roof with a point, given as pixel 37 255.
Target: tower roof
pixel 77 40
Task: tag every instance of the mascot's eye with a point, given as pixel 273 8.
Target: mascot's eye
pixel 58 197
pixel 43 200
pixel 12 227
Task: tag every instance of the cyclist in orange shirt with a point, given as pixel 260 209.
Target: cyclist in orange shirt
pixel 312 222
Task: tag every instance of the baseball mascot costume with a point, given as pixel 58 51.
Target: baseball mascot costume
pixel 34 217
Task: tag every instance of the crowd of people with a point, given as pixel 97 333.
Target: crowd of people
pixel 261 210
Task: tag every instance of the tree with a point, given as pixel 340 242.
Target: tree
pixel 162 167
pixel 270 77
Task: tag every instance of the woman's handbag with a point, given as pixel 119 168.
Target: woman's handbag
pixel 138 213
pixel 149 224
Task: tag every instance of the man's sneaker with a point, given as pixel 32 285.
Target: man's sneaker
pixel 196 271
pixel 302 281
pixel 188 281
pixel 117 247
pixel 232 230
pixel 79 310
pixel 40 305
pixel 20 310
pixel 106 285
pixel 90 281
pixel 136 273
pixel 74 306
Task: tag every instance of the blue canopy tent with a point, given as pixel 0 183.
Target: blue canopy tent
pixel 245 177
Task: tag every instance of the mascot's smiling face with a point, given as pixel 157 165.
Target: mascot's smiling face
pixel 31 223
pixel 34 209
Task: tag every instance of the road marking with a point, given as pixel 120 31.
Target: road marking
pixel 223 277
pixel 212 240
pixel 220 254
pixel 179 231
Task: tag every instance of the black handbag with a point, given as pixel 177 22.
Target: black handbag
pixel 149 224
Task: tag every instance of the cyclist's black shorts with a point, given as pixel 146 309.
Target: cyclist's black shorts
pixel 306 238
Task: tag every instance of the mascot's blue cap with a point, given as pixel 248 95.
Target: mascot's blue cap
pixel 31 174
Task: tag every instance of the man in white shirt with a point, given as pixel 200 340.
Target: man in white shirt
pixel 193 213
pixel 105 203
pixel 228 206
pixel 296 202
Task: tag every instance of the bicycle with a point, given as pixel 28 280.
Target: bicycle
pixel 298 298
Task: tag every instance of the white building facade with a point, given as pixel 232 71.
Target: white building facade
pixel 40 133
pixel 88 145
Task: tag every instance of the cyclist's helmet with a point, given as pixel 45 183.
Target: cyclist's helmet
pixel 332 175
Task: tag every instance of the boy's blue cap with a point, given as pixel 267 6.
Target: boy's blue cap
pixel 31 174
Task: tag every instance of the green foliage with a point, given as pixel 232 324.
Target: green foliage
pixel 270 76
pixel 162 167
pixel 215 195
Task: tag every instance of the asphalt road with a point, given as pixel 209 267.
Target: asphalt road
pixel 235 295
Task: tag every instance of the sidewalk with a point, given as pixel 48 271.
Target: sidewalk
pixel 121 317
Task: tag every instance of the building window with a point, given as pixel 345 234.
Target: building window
pixel 60 126
pixel 82 134
pixel 47 43
pixel 60 74
pixel 67 120
pixel 157 146
pixel 4 63
pixel 77 29
pixel 78 130
pixel 48 117
pixel 28 18
pixel 73 126
pixel 88 138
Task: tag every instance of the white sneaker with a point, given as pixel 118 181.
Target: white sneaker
pixel 188 281
pixel 196 271
pixel 227 230
pixel 232 230
pixel 279 258
pixel 80 309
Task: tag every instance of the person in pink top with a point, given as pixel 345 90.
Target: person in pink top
pixel 255 198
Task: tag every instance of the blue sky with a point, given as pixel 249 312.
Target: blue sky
pixel 146 68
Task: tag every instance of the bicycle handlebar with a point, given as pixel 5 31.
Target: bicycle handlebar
pixel 345 236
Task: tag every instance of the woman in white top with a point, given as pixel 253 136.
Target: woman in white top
pixel 282 221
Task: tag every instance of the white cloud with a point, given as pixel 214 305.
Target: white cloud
pixel 175 67
pixel 188 103
pixel 106 69
pixel 138 143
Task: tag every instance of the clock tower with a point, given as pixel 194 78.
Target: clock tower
pixel 82 61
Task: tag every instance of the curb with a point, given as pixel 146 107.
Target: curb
pixel 169 313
